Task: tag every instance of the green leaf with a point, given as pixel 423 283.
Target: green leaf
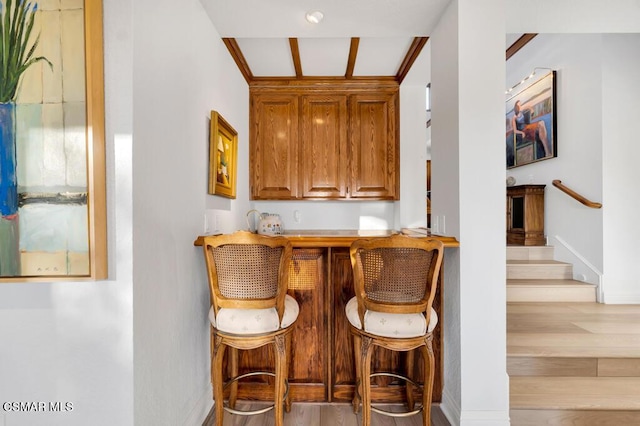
pixel 17 18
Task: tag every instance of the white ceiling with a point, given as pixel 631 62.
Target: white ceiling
pixel 386 29
pixel 342 18
pixel 322 57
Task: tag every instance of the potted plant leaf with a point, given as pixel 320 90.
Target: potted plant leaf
pixel 17 54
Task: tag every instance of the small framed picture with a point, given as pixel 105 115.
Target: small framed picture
pixel 223 151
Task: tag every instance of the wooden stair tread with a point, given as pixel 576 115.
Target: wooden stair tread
pixel 533 417
pixel 530 252
pixel 573 345
pixel 594 311
pixel 540 269
pixel 551 282
pixel 573 366
pixel 578 393
pixel 581 330
pixel 551 289
pixel 537 262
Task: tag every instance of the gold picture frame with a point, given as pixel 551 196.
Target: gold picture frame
pixel 84 21
pixel 223 156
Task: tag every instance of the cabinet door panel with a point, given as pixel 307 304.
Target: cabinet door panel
pixel 343 361
pixel 273 153
pixel 374 146
pixel 307 277
pixel 324 146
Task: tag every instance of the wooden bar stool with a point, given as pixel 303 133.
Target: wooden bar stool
pixel 250 308
pixel 395 281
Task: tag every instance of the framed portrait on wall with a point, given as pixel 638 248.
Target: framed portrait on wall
pixel 531 122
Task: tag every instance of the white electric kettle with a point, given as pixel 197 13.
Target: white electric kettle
pixel 268 223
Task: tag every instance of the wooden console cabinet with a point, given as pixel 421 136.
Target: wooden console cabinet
pixel 525 215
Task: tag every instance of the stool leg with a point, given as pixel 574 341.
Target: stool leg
pixel 216 367
pixel 233 365
pixel 365 379
pixel 409 374
pixel 357 391
pixel 281 364
pixel 287 351
pixel 427 391
pixel 212 344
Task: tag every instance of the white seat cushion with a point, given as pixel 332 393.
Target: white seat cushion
pixel 254 321
pixel 391 325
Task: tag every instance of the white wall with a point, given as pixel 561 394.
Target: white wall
pixel 181 72
pixel 445 170
pixel 468 198
pixel 572 16
pixel 412 207
pixel 72 341
pixel 621 109
pixel 577 58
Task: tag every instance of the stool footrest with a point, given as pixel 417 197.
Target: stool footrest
pixel 393 413
pixel 261 410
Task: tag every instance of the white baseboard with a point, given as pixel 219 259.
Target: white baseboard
pixel 450 408
pixel 622 298
pixel 485 418
pixel 201 410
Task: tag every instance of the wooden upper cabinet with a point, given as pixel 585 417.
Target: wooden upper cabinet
pixel 273 155
pixel 323 144
pixel 374 146
pixel 324 141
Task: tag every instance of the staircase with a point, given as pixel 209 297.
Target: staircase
pixel 571 361
pixel 533 276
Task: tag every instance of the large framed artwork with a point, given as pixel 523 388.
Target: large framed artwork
pixel 223 152
pixel 52 144
pixel 531 123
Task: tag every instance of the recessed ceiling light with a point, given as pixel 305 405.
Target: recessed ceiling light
pixel 314 17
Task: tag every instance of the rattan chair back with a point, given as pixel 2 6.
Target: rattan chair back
pixel 397 274
pixel 247 271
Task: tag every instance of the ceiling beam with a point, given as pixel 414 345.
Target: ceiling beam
pixel 410 57
pixel 519 44
pixel 238 57
pixel 353 52
pixel 295 55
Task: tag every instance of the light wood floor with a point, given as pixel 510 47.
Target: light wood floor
pixel 573 364
pixel 309 414
pixel 551 348
pixel 573 329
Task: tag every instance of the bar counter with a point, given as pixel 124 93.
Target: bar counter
pixel 322 363
pixel 344 237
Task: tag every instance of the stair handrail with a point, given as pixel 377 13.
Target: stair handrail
pixel 558 184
